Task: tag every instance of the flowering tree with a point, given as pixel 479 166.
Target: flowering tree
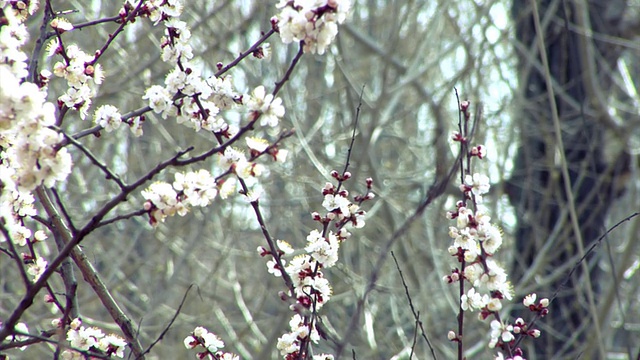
pixel 207 105
pixel 35 157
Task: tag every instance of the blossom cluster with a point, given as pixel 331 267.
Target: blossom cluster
pixel 475 241
pixel 195 101
pixel 194 188
pixel 30 155
pixel 209 343
pixel 82 338
pixel 31 152
pixel 82 74
pixel 311 289
pixel 314 22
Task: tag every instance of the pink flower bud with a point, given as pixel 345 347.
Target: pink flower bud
pixel 369 182
pixel 274 23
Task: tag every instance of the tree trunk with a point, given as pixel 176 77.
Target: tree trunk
pixel 544 234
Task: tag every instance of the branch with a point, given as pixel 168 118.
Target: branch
pixel 94 160
pixel 435 190
pixel 416 314
pixel 166 329
pixel 14 254
pixel 248 52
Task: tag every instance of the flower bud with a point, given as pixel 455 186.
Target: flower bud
pixel 464 105
pixel 369 183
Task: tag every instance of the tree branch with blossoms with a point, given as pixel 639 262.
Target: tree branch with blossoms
pixel 475 241
pixel 311 290
pixel 186 96
pixel 436 189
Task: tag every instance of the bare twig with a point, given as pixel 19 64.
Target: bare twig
pixel 285 78
pixel 591 249
pixel 166 329
pixel 105 169
pixel 415 335
pixel 248 52
pixel 416 314
pixel 63 210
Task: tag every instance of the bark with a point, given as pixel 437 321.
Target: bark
pixel 581 68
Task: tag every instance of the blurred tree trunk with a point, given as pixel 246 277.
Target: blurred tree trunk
pixel 582 70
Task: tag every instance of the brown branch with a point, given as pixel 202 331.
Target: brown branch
pixel 88 271
pixel 105 169
pixel 243 55
pixel 287 74
pixel 35 54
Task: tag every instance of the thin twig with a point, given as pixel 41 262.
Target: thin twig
pixel 248 52
pixel 416 314
pixel 122 217
pixel 166 329
pixel 415 336
pixel 591 249
pixel 63 210
pixel 105 169
pixel 285 78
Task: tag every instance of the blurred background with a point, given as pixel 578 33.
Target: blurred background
pixel 409 56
